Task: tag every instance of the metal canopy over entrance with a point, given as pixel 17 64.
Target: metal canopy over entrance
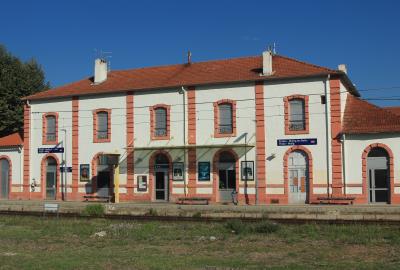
pixel 378 176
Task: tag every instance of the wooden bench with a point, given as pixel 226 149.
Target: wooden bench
pixel 96 198
pixel 336 200
pixel 194 200
pixel 51 208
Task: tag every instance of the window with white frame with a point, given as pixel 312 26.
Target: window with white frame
pixel 297 115
pixel 102 125
pixel 225 118
pixel 160 117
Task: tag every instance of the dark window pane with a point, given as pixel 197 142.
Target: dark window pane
pixel 102 125
pixel 160 127
pixel 381 179
pixel 225 118
pixel 297 115
pixel 231 179
pixel 51 128
pixel 381 196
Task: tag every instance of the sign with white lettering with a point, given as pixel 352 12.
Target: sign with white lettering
pixel 62 169
pixel 289 142
pixel 51 150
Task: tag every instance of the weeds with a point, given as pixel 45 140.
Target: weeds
pixel 94 210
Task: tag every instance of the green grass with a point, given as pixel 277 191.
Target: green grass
pixel 50 243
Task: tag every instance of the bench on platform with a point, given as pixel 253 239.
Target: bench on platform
pixel 335 200
pixel 96 198
pixel 193 200
pixel 51 208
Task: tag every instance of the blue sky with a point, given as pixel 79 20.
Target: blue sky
pixel 63 35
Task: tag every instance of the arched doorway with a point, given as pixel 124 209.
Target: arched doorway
pixel 299 182
pixel 378 176
pixel 226 175
pixel 4 178
pixel 51 178
pixel 104 176
pixel 161 177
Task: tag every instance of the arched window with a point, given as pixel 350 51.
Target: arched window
pixel 225 125
pixel 296 114
pixel 50 135
pixel 160 128
pixel 159 122
pixel 297 120
pixel 102 125
pixel 224 118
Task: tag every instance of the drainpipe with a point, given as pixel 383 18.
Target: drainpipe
pixel 30 146
pixel 183 93
pixel 327 129
pixel 344 162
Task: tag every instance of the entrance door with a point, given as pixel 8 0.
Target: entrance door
pixel 378 180
pixel 103 180
pixel 227 181
pixel 4 173
pixel 161 187
pixel 298 178
pixel 51 179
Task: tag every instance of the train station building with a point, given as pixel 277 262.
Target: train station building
pixel 266 130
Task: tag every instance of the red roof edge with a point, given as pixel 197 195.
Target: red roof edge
pixel 11 140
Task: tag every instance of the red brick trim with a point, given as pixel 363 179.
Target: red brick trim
pixel 286 101
pixel 129 144
pixel 9 175
pixel 217 134
pixel 151 192
pixel 260 141
pixel 27 132
pixel 336 127
pixel 394 198
pixel 95 139
pixel 43 176
pixel 152 121
pixel 215 175
pixel 192 153
pixel 75 145
pixel 311 197
pixel 44 128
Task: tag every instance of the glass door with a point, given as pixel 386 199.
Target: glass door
pixel 51 185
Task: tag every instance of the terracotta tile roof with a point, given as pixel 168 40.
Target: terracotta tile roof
pixel 11 140
pixel 395 110
pixel 199 73
pixel 362 117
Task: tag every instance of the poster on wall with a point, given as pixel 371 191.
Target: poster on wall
pixel 142 183
pixel 84 172
pixel 177 171
pixel 204 171
pixel 248 170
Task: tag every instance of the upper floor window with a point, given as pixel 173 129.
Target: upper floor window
pixel 297 119
pixel 102 125
pixel 50 128
pixel 296 114
pixel 160 128
pixel 225 125
pixel 159 123
pixel 224 118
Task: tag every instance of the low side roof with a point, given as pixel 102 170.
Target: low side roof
pixel 198 73
pixel 362 117
pixel 11 140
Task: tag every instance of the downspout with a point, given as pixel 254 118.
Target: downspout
pixel 30 141
pixel 327 100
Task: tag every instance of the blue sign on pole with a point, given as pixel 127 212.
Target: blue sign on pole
pixel 62 169
pixel 51 150
pixel 289 142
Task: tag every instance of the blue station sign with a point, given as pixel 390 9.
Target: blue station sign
pixel 51 150
pixel 62 169
pixel 290 142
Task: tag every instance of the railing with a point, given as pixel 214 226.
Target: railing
pixel 51 137
pixel 297 125
pixel 158 132
pixel 226 129
pixel 102 135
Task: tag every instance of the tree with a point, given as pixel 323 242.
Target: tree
pixel 17 79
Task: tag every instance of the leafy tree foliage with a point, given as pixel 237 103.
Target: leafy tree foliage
pixel 17 79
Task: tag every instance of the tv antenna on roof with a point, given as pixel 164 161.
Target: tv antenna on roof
pixel 105 56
